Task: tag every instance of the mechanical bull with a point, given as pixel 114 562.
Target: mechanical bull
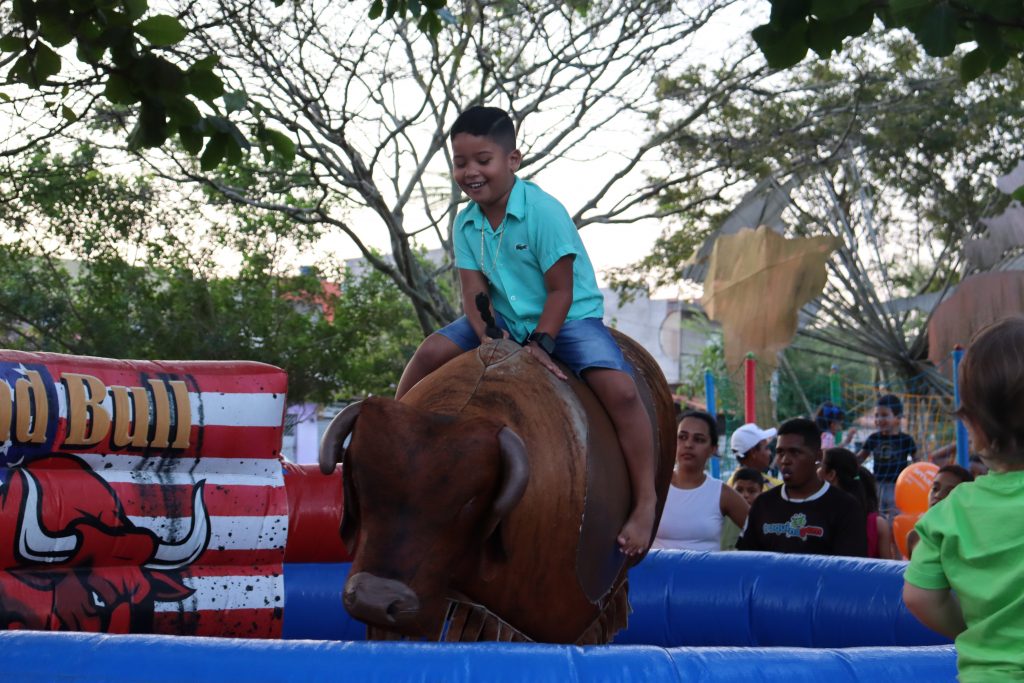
pixel 486 504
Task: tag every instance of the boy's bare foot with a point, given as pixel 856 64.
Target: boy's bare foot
pixel 635 537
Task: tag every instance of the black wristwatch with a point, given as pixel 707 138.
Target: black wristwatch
pixel 544 341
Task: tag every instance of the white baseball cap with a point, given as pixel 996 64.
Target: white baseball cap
pixel 747 437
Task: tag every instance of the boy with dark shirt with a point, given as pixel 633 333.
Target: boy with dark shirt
pixel 891 449
pixel 804 515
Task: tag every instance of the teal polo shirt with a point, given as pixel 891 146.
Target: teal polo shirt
pixel 535 233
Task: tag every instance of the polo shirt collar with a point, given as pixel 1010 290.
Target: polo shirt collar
pixel 516 206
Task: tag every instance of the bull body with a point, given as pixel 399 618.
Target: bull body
pixel 493 482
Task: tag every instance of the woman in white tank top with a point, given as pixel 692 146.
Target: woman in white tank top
pixel 697 503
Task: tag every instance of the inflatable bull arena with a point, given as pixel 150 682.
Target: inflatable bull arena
pixel 151 532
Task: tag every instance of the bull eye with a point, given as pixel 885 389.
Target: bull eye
pixel 96 599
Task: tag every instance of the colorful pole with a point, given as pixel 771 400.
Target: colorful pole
pixel 709 399
pixel 835 393
pixel 962 456
pixel 750 389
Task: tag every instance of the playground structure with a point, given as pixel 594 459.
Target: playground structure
pixel 928 417
pixel 164 479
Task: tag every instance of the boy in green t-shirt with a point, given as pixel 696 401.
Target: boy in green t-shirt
pixel 964 580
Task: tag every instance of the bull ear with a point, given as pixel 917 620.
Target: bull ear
pixel 515 475
pixel 331 452
pixel 334 438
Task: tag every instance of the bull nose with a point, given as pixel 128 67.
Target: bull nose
pixel 384 602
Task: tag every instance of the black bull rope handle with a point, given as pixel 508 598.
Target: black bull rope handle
pixel 483 304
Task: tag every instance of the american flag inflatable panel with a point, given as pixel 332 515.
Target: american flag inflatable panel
pixel 141 496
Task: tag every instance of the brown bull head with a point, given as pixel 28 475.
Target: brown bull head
pixel 425 498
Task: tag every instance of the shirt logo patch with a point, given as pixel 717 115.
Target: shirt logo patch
pixel 521 247
pixel 796 527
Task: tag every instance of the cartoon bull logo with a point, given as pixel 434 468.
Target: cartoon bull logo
pixel 72 560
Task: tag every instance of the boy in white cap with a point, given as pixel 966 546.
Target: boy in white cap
pixel 749 445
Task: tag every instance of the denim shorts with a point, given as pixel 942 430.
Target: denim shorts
pixel 580 344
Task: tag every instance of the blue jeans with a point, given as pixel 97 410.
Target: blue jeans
pixel 887 499
pixel 580 344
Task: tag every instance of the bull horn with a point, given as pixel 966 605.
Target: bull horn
pixel 335 436
pixel 31 534
pixel 515 474
pixel 186 551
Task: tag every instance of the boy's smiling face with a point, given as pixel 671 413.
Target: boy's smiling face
pixel 484 170
pixel 886 421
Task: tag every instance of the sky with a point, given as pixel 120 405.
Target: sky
pixel 574 183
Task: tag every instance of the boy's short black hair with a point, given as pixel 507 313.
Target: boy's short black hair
pixel 487 122
pixel 959 472
pixel 748 474
pixel 801 426
pixel 893 403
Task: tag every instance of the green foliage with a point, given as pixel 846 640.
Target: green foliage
pixel 810 382
pixel 728 391
pixel 161 30
pixel 136 62
pixel 373 362
pixel 122 285
pixel 939 26
pixel 141 60
pixel 427 13
pixel 926 150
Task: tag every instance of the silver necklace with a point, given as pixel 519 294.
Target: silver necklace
pixel 497 249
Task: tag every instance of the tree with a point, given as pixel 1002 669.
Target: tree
pixel 133 57
pixel 123 54
pixel 99 264
pixel 939 26
pixel 369 106
pixel 881 147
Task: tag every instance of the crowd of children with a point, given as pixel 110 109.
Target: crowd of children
pixel 804 513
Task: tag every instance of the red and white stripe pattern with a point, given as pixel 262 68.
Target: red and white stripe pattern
pixel 237 415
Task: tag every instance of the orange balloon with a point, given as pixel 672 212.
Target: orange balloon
pixel 902 525
pixel 913 485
